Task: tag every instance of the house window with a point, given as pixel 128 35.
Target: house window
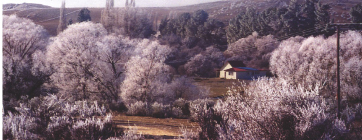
pixel 231 73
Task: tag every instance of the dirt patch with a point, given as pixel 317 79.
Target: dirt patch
pixel 151 128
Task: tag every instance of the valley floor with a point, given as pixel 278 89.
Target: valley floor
pixel 155 128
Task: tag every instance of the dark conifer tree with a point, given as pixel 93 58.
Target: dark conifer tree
pixel 84 15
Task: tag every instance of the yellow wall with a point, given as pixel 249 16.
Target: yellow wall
pixel 222 70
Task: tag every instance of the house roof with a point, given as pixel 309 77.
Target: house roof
pixel 244 69
pixel 236 64
pixel 236 70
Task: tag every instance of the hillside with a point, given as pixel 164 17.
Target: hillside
pixel 23 6
pixel 221 10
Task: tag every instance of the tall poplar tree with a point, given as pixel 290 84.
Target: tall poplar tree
pixel 62 19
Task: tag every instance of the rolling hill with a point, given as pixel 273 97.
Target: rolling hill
pixel 221 10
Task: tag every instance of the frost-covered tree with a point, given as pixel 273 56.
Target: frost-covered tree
pixel 254 50
pixel 24 68
pixel 134 23
pixel 128 21
pixel 108 17
pixel 62 19
pixel 272 108
pixel 146 74
pixel 313 61
pixel 205 63
pixel 88 63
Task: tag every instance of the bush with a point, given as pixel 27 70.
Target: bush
pixel 311 61
pixel 188 134
pixel 54 118
pixel 130 134
pixel 138 109
pixel 272 108
pixel 93 128
pixel 160 111
pixel 19 127
pixel 199 106
pixel 180 108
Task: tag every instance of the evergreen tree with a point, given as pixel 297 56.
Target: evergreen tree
pixel 322 18
pixel 84 15
pixel 356 14
pixel 70 21
pixel 195 26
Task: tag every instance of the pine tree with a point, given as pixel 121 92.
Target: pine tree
pixel 62 19
pixel 309 16
pixel 356 14
pixel 84 15
pixel 322 18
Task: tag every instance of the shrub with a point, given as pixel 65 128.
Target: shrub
pixel 160 111
pixel 272 108
pixel 19 127
pixel 93 128
pixel 180 108
pixel 199 106
pixel 138 108
pixel 54 118
pixel 131 134
pixel 312 61
pixel 187 134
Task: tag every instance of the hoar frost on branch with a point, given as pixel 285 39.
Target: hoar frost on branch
pixel 89 62
pixel 24 69
pixel 254 50
pixel 273 108
pixel 205 63
pixel 312 61
pixel 146 73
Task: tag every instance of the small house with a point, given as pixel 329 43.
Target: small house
pixel 237 70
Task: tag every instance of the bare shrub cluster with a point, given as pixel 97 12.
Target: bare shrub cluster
pixel 50 117
pixel 273 108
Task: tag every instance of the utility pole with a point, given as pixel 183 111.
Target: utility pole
pixel 339 25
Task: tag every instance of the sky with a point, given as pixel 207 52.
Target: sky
pixel 118 3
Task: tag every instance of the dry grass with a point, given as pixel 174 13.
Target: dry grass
pixel 167 128
pixel 218 87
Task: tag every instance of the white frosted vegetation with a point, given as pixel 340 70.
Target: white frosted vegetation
pixel 204 64
pixel 313 61
pixel 88 62
pixel 146 74
pixel 254 50
pixel 24 68
pixel 273 108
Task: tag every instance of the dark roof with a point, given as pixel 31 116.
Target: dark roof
pixel 236 63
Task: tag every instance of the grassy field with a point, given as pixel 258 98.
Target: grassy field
pixel 155 128
pixel 218 87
